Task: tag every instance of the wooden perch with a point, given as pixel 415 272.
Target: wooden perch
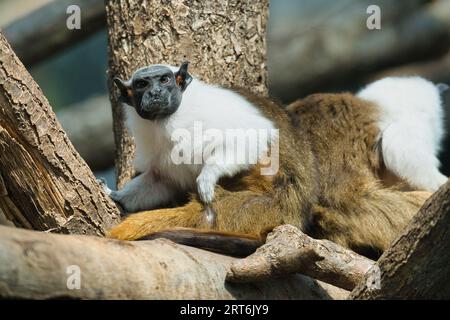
pixel 35 265
pixel 43 32
pixel 44 183
pixel 417 265
pixel 223 40
pixel 288 250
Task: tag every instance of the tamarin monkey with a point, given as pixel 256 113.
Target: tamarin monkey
pixel 351 169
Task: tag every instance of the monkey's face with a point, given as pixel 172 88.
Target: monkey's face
pixel 154 91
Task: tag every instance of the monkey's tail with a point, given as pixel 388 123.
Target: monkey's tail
pixel 229 243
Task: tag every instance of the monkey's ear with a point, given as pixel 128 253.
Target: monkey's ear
pixel 182 77
pixel 126 93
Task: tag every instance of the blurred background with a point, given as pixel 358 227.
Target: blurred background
pixel 313 46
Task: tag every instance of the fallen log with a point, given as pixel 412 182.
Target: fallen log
pixel 36 265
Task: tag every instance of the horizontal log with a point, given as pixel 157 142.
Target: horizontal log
pixel 37 265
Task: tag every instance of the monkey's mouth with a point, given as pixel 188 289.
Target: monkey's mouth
pixel 157 109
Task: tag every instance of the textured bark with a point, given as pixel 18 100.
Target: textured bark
pixel 34 265
pixel 43 32
pixel 44 183
pixel 417 265
pixel 223 40
pixel 288 250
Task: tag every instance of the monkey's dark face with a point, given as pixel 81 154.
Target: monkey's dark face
pixel 155 91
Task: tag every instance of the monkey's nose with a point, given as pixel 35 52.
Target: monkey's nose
pixel 155 92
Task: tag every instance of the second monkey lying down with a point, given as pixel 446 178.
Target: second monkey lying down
pixel 351 169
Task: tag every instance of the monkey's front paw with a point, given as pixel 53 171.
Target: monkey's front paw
pixel 125 202
pixel 205 189
pixel 102 182
pixel 115 195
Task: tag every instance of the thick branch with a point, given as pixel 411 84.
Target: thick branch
pixel 43 32
pixel 44 183
pixel 416 266
pixel 223 40
pixel 34 265
pixel 288 250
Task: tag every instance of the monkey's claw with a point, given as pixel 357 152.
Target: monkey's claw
pixel 102 182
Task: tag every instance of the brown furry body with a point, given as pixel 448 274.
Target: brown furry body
pixel 330 182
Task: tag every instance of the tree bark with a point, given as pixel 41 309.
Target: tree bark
pixel 43 32
pixel 44 183
pixel 288 250
pixel 416 266
pixel 223 40
pixel 38 265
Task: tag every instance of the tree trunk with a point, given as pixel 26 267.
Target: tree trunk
pixel 39 266
pixel 223 40
pixel 417 265
pixel 44 183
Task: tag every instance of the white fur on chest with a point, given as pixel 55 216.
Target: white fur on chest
pixel 210 107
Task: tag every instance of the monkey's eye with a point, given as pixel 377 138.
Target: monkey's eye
pixel 165 79
pixel 141 84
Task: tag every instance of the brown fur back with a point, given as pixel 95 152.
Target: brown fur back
pixel 355 207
